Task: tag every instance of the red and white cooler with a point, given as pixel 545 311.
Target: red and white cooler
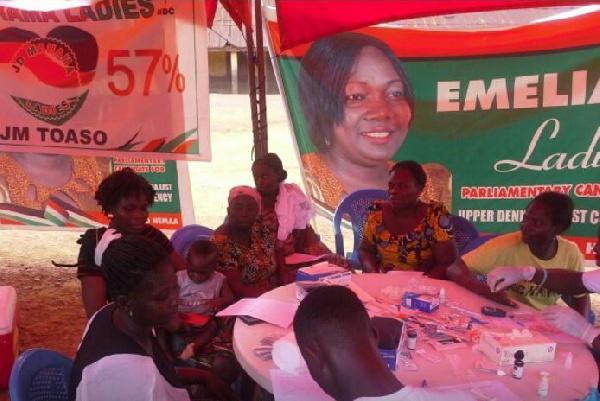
pixel 9 333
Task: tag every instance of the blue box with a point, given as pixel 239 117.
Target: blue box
pixel 422 302
pixel 326 272
pixel 390 357
pixel 390 336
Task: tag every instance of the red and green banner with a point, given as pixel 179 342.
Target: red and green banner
pixel 110 79
pixel 499 117
pixel 57 191
pixel 302 21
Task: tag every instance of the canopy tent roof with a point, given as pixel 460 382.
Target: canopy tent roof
pixel 303 21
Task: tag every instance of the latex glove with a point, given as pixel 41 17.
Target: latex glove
pixel 502 277
pixel 571 322
pixel 188 352
pixel 591 280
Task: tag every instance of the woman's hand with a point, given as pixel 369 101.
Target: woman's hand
pixel 437 274
pixel 217 387
pixel 338 260
pixel 220 389
pixel 501 298
pixel 215 305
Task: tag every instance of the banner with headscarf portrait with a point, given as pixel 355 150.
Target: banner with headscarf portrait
pixel 496 117
pixel 110 79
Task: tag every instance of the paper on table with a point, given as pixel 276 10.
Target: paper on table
pixel 271 311
pixel 364 296
pixel 486 390
pixel 292 387
pixel 300 258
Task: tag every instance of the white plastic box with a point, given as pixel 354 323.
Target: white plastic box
pixel 501 348
pixel 9 332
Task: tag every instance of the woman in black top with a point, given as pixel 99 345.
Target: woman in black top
pixel 125 198
pixel 120 357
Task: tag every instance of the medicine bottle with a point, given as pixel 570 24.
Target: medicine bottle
pixel 442 296
pixel 412 339
pixel 543 389
pixel 517 372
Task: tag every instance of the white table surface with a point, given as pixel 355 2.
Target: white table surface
pixel 457 365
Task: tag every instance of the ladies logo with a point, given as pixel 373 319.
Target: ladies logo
pixel 66 59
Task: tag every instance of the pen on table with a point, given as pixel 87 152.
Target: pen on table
pixel 514 319
pixel 424 383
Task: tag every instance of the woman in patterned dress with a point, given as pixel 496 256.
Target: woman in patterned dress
pixel 246 246
pixel 406 233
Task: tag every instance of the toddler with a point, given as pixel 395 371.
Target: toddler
pixel 203 340
pixel 202 290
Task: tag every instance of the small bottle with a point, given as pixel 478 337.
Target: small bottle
pixel 569 361
pixel 442 296
pixel 412 339
pixel 543 389
pixel 517 372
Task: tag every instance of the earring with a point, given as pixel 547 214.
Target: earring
pixel 327 142
pixel 130 313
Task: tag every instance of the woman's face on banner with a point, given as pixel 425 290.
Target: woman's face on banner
pixel 376 112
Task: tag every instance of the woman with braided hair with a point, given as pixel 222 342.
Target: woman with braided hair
pixel 120 357
pixel 124 197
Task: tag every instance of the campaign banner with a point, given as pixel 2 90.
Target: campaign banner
pixel 111 79
pixel 46 191
pixel 496 117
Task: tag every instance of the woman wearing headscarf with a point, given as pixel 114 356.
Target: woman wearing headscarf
pixel 286 211
pixel 246 245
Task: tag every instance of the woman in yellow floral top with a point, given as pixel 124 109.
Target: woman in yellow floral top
pixel 247 247
pixel 405 233
pixel 408 234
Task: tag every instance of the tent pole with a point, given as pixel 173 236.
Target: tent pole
pixel 263 140
pixel 252 85
pixel 256 72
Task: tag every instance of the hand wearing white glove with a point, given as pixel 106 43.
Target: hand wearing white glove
pixel 591 280
pixel 502 277
pixel 571 322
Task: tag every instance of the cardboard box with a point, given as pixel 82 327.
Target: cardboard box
pixel 501 347
pixel 325 271
pixel 422 302
pixel 9 333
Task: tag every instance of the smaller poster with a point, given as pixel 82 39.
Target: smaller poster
pixel 57 191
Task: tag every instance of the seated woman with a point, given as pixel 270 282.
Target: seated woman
pixel 124 197
pixel 538 243
pixel 405 233
pixel 246 246
pixel 286 211
pixel 119 357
